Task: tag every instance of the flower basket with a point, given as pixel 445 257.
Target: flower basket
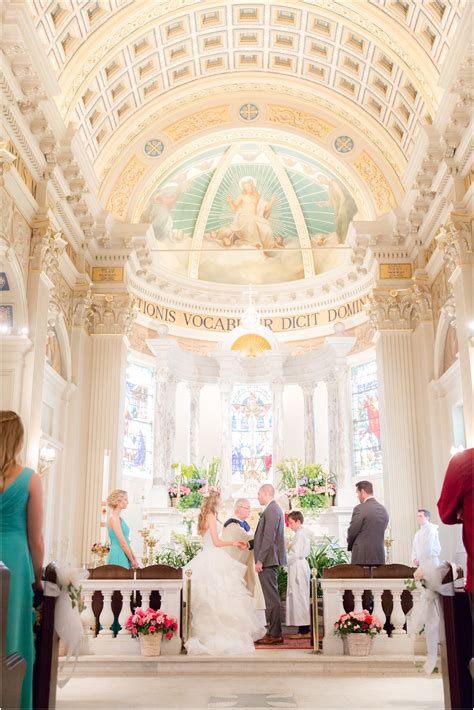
pixel 357 644
pixel 150 645
pixel 174 502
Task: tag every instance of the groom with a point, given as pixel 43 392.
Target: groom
pixel 269 552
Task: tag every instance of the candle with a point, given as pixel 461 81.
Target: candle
pixel 207 481
pixel 105 475
pixel 179 481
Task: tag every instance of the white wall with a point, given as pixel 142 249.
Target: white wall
pixel 210 423
pixel 293 422
pixel 181 441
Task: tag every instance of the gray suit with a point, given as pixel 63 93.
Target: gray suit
pixel 269 549
pixel 365 534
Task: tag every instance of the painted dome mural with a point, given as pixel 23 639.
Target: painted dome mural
pixel 252 213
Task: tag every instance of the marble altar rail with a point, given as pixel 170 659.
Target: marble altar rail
pixel 387 598
pixel 111 593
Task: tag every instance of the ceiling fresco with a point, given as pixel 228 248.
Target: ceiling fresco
pixel 252 213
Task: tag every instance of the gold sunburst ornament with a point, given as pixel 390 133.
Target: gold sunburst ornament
pixel 251 345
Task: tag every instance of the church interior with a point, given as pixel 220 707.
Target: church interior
pixel 236 246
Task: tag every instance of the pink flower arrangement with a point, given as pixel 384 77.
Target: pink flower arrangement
pixel 357 622
pixel 183 491
pixel 299 491
pixel 149 621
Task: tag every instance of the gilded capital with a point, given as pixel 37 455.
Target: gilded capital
pixel 47 245
pixel 391 310
pixel 455 242
pixel 111 314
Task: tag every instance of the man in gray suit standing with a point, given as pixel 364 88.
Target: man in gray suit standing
pixel 269 552
pixel 365 535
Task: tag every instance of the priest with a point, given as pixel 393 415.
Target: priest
pixel 237 528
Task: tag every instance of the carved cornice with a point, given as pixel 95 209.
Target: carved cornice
pixel 455 242
pixel 400 309
pixel 111 314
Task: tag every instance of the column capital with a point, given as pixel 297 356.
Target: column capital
pixel 399 309
pixel 47 245
pixel 111 314
pixel 308 388
pixel 455 241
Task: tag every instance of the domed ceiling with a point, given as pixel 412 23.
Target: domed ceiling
pixel 250 213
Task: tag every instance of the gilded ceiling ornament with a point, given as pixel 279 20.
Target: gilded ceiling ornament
pixel 377 182
pixel 153 148
pixel 301 120
pixel 248 112
pixel 200 121
pixel 343 144
pixel 121 193
pixel 279 88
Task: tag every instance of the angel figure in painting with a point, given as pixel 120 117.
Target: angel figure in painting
pixel 343 205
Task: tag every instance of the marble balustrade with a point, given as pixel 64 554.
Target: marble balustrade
pixel 105 642
pixel 391 602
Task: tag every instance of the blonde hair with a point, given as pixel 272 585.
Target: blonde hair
pixel 115 497
pixel 11 437
pixel 209 504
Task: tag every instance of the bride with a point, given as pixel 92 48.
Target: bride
pixel 223 616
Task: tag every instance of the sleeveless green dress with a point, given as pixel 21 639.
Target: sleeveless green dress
pixel 116 555
pixel 15 554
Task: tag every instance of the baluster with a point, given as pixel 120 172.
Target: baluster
pixel 397 617
pixel 106 615
pixel 87 615
pixel 358 600
pixel 124 611
pixel 378 608
pixel 145 598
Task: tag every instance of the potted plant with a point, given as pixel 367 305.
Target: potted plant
pixel 176 492
pixel 357 629
pixel 307 486
pixel 151 627
pixel 200 480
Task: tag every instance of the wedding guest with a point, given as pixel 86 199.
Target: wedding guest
pixel 456 506
pixel 21 543
pixel 426 548
pixel 365 535
pixel 297 595
pixel 120 551
pixel 237 528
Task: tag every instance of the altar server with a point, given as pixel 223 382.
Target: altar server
pixel 297 596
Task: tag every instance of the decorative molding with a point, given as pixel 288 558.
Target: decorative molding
pixel 128 179
pixel 301 120
pixel 200 121
pixel 377 182
pixel 47 245
pixel 399 309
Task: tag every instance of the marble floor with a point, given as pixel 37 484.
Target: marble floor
pixel 192 692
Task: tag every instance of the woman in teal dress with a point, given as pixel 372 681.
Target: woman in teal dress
pixel 120 551
pixel 21 543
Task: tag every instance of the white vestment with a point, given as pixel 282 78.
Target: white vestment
pixel 426 547
pixel 233 532
pixel 297 597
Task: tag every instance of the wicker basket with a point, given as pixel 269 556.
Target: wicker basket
pixel 357 645
pixel 150 645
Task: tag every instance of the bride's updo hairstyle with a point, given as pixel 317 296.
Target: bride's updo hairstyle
pixel 115 497
pixel 11 439
pixel 210 504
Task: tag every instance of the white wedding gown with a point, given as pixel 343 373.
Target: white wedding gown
pixel 223 616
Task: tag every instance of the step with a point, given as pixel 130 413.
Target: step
pixel 274 661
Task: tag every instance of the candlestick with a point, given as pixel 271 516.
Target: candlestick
pixel 179 482
pixel 206 490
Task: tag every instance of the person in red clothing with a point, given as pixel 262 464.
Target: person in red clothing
pixel 456 504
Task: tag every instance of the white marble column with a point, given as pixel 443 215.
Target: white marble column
pixel 392 314
pixel 308 422
pixel 165 426
pixel 110 320
pixel 277 433
pixel 194 414
pixel 344 434
pixel 225 389
pixel 456 242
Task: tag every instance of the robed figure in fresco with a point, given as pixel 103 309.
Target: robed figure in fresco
pixel 250 224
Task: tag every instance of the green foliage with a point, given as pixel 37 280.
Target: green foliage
pixel 179 554
pixel 312 500
pixel 289 471
pixel 282 581
pixel 195 477
pixel 329 554
pixel 193 500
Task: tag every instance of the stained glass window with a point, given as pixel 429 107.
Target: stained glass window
pixel 366 448
pixel 251 433
pixel 139 418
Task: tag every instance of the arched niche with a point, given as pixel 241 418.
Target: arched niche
pixel 13 304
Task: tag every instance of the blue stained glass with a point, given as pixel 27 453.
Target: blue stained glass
pixel 366 448
pixel 251 433
pixel 139 421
